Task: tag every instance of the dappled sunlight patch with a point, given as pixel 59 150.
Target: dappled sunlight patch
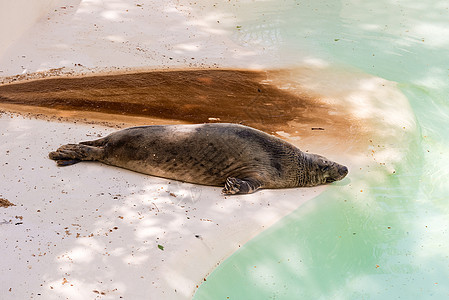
pixel 431 231
pixel 80 255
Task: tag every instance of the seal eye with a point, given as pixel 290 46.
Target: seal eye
pixel 325 168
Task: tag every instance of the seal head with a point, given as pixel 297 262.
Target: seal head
pixel 322 170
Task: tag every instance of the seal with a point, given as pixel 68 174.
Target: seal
pixel 240 158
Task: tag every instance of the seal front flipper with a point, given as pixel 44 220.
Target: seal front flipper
pixel 237 186
pixel 73 153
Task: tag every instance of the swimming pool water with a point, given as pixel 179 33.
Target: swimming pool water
pixel 379 237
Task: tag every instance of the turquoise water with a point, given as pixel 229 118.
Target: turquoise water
pixel 385 237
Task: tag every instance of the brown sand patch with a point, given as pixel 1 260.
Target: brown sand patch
pixel 189 96
pixel 5 203
pixel 253 98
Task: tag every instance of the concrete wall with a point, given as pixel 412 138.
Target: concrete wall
pixel 17 16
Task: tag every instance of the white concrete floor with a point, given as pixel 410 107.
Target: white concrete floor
pixel 93 34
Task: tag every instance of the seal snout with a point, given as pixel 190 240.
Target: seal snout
pixel 343 171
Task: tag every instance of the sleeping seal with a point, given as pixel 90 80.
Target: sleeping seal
pixel 240 158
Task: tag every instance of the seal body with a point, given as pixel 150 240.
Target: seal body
pixel 240 158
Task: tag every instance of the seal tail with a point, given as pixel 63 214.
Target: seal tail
pixel 73 153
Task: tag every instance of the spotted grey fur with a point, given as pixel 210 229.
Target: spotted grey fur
pixel 240 158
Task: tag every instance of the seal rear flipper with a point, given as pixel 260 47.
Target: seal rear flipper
pixel 72 153
pixel 237 186
pixel 96 143
pixel 63 163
